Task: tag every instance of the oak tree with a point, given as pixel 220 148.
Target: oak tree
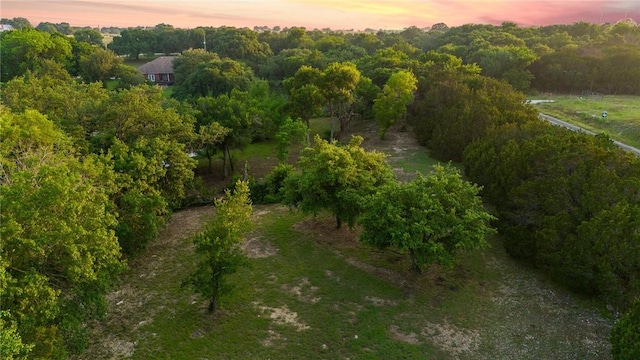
pixel 432 217
pixel 337 178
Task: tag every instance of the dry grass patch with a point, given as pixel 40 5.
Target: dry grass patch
pixel 410 338
pixel 256 248
pixel 303 291
pixel 452 339
pixel 380 302
pixel 282 316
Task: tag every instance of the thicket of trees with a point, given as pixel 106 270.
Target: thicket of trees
pixel 568 202
pixel 90 175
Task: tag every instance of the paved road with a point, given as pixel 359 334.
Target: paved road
pixel 556 121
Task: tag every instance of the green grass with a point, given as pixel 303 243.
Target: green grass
pixel 167 92
pixel 343 300
pixel 340 323
pixel 348 301
pixel 622 122
pixel 416 160
pixel 320 126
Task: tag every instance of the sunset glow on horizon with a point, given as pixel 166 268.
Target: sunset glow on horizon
pixel 334 14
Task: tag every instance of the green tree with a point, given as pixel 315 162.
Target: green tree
pixel 73 106
pixel 186 63
pixel 18 23
pixel 305 96
pixel 391 104
pixel 100 65
pixel 285 64
pixel 288 132
pixel 47 27
pixel 234 113
pixel 338 83
pixel 141 206
pixel 24 50
pixel 215 77
pixel 384 63
pixel 11 345
pixel 59 251
pixel 133 42
pixel 210 137
pixel 337 178
pixel 507 63
pixel 155 129
pixel 128 77
pixel 431 217
pixel 239 44
pixel 625 335
pixel 90 36
pixel 219 245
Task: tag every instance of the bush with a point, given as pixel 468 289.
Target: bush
pixel 625 336
pixel 270 190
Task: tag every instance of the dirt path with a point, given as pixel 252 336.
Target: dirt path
pixel 136 301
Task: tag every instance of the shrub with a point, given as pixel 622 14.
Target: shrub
pixel 625 336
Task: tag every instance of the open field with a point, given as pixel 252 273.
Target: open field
pixel 314 292
pixel 107 38
pixel 623 114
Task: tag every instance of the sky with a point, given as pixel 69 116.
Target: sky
pixel 320 14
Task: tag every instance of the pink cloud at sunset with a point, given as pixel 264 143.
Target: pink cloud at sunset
pixel 335 14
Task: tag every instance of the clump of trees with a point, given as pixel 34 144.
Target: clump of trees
pixel 432 217
pixel 59 250
pixel 567 202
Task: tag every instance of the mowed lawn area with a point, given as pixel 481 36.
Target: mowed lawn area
pixel 314 292
pixel 623 114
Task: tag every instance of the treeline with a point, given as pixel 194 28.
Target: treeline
pixel 567 203
pixel 557 58
pixel 79 159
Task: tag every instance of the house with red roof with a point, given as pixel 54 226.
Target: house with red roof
pixel 159 71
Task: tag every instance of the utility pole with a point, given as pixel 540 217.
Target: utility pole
pixel 205 41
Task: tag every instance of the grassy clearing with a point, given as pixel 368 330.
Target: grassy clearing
pixel 622 122
pixel 107 38
pixel 314 292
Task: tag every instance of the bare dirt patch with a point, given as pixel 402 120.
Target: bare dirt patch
pixel 282 315
pixel 257 247
pixel 380 302
pixel 303 291
pixel 323 230
pixel 398 145
pixel 272 338
pixel 410 338
pixel 452 339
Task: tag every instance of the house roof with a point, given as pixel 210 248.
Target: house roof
pixel 161 65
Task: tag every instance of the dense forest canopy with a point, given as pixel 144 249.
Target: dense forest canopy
pixel 95 159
